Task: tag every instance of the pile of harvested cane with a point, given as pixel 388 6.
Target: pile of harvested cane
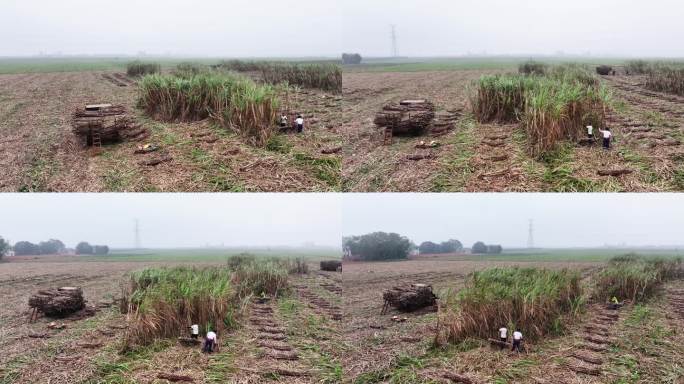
pixel 58 302
pixel 408 117
pixel 331 265
pixel 605 70
pixel 409 298
pixel 444 122
pixel 106 123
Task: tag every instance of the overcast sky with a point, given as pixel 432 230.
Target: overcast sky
pixel 443 27
pixel 173 220
pixel 296 28
pixel 225 28
pixel 560 220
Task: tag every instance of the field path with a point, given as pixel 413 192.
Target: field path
pixel 275 356
pixel 289 339
pixel 587 358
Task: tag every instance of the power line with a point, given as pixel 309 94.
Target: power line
pixel 394 40
pixel 137 235
pixel 530 235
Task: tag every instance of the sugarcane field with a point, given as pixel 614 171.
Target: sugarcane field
pixel 425 305
pixel 90 131
pixel 342 192
pixel 512 125
pixel 89 312
pixel 93 331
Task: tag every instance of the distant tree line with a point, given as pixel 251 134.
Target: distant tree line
pixel 482 248
pixel 4 247
pixel 351 58
pixel 50 247
pixel 378 246
pixel 450 246
pixel 83 248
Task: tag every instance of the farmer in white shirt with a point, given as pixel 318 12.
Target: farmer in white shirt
pixel 590 131
pixel 283 121
pixel 503 335
pixel 194 331
pixel 517 340
pixel 607 136
pixel 300 123
pixel 209 342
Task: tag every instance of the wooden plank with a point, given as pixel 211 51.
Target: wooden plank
pixel 97 107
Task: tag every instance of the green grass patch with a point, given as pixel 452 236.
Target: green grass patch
pixel 620 106
pixel 331 371
pixel 279 144
pixel 558 174
pixel 213 173
pixel 654 118
pixel 649 347
pixel 12 369
pixel 290 307
pixel 640 315
pixel 114 372
pixel 455 170
pixel 119 177
pixel 221 365
pixel 640 162
pixel 402 370
pixel 678 179
pixel 326 169
pixel 516 370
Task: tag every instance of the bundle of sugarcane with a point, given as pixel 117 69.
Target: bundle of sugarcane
pixel 604 70
pixel 410 298
pixel 408 116
pixel 442 124
pixel 99 110
pixel 58 302
pixel 331 265
pixel 110 122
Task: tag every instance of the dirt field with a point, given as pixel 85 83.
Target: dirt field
pixel 642 344
pixel 647 128
pixel 292 339
pixel 40 153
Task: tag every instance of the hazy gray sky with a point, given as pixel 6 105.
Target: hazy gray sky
pixel 559 220
pixel 173 220
pixel 226 28
pixel 239 28
pixel 444 27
